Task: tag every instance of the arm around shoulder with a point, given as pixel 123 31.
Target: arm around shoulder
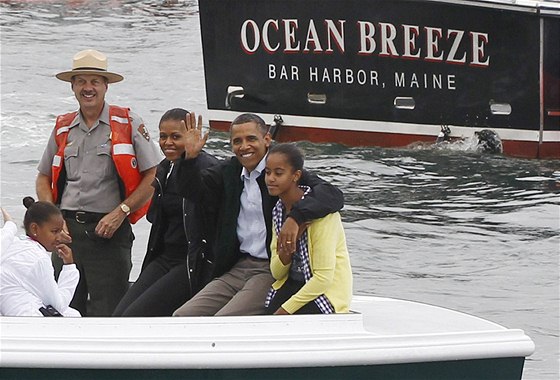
pixel 324 199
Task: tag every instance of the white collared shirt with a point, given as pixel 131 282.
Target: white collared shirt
pixel 251 226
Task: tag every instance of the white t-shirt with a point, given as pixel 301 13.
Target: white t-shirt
pixel 27 280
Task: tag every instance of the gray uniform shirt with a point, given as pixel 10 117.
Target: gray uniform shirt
pixel 91 175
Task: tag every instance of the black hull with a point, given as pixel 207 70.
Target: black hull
pixel 386 72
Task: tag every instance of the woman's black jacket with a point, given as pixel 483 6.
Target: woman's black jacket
pixel 198 252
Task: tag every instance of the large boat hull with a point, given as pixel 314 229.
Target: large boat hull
pixel 382 338
pixel 385 72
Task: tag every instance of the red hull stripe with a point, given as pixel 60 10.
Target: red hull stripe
pixel 514 148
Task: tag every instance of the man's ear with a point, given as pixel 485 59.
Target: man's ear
pixel 268 139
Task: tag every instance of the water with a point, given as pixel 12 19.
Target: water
pixel 449 227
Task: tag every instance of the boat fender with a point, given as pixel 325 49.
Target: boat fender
pixel 278 121
pixel 443 134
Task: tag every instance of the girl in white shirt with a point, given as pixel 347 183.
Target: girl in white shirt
pixel 27 283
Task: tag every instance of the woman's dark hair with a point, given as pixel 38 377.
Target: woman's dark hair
pixel 292 153
pixel 174 114
pixel 38 212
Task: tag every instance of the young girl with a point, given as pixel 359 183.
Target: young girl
pixel 317 277
pixel 27 283
pixel 176 261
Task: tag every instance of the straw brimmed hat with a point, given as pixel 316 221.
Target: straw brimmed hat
pixel 90 62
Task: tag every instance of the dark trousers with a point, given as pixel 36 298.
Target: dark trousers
pixel 104 266
pixel 161 288
pixel 283 294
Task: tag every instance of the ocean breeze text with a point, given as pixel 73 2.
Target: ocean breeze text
pixel 382 39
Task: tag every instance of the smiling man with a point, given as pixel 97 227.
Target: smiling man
pixel 98 167
pixel 239 207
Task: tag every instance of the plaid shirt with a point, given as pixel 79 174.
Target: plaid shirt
pixel 302 250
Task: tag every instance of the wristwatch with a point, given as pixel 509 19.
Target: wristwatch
pixel 125 209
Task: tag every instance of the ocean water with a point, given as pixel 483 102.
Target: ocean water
pixel 446 226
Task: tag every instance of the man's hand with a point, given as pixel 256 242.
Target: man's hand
pixel 194 138
pixel 110 223
pixel 65 234
pixel 288 236
pixel 290 233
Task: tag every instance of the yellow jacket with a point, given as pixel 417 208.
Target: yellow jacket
pixel 330 266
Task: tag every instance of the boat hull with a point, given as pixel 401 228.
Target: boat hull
pixel 482 369
pixel 387 73
pixel 382 338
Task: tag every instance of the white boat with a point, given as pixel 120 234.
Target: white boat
pixel 383 338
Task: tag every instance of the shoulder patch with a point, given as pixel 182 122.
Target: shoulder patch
pixel 144 131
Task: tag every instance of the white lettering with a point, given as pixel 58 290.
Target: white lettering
pixel 478 42
pixel 271 71
pixel 256 36
pixel 432 46
pixel 326 77
pixel 428 81
pixel 336 75
pixel 411 33
pixel 337 34
pixel 295 72
pixel 437 81
pixel 286 72
pixel 414 81
pixel 283 73
pixel 313 74
pixel 451 82
pixel 388 34
pixel 367 43
pixel 349 76
pixel 312 38
pixel 266 43
pixel 373 78
pixel 399 80
pixel 290 28
pixel 458 36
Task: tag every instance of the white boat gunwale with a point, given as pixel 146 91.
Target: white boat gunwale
pixel 379 334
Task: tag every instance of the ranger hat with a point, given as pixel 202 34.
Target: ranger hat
pixel 89 62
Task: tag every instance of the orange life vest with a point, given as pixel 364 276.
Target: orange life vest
pixel 122 152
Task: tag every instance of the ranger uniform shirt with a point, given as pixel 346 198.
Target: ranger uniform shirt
pixel 91 177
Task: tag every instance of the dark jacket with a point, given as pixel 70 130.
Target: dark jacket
pixel 219 189
pixel 198 253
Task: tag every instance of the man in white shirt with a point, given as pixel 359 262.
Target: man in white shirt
pixel 237 202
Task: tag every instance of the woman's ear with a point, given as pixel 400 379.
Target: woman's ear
pixel 297 175
pixel 33 229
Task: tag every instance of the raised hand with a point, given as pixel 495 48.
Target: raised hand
pixel 195 139
pixel 5 215
pixel 65 253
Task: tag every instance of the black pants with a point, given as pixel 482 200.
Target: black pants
pixel 287 290
pixel 161 288
pixel 104 266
